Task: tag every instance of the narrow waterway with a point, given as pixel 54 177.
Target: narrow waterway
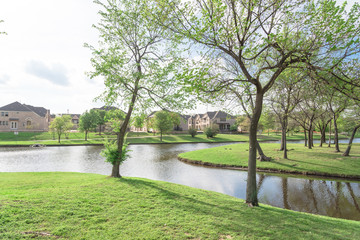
pixel 159 162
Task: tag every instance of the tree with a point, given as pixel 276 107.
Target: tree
pixel 245 45
pixel 88 121
pixel 134 60
pixel 267 120
pixel 139 121
pixel 285 96
pixel 101 119
pixel 61 125
pixel 353 121
pixel 163 122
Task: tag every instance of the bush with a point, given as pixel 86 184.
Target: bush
pixel 211 132
pixel 234 128
pixel 192 132
pixel 112 154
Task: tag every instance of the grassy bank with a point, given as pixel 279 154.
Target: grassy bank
pixel 90 206
pixel 319 161
pixel 27 138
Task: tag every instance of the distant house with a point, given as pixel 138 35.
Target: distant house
pixel 17 117
pixel 219 118
pixel 183 126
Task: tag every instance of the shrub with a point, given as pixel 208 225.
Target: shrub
pixel 211 132
pixel 112 154
pixel 234 128
pixel 192 132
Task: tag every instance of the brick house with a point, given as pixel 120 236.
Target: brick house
pixel 17 117
pixel 219 118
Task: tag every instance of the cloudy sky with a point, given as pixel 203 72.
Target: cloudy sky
pixel 42 58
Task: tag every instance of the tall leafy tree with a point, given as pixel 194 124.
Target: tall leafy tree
pixel 133 58
pixel 163 122
pixel 285 96
pixel 258 40
pixel 88 121
pixel 61 125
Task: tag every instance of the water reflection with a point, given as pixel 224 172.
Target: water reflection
pixel 159 162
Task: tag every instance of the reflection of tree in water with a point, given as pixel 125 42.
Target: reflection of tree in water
pixel 330 198
pixel 353 197
pixel 284 182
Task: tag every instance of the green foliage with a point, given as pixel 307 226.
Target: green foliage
pixel 139 120
pixel 112 154
pixel 61 125
pixel 193 132
pixel 163 121
pixel 88 121
pixel 234 128
pixel 115 118
pixel 211 131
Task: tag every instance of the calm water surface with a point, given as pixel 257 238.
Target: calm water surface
pixel 159 162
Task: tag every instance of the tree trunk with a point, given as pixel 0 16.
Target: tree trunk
pixel 347 152
pixel 336 135
pixel 160 136
pixel 329 145
pixel 100 129
pixel 305 138
pixel 310 137
pixel 86 132
pixel 121 135
pixel 323 136
pixel 262 157
pixel 284 125
pixel 251 190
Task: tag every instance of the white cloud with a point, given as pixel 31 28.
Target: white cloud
pixel 56 73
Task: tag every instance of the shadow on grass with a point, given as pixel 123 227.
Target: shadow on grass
pixel 231 215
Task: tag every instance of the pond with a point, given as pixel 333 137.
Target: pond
pixel 159 162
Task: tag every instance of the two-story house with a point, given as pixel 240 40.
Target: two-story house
pixel 219 118
pixel 17 117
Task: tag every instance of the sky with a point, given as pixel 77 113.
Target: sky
pixel 43 61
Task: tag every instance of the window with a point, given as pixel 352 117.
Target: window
pixel 222 119
pixel 14 125
pixel 7 123
pixel 2 114
pixel 28 123
pixel 0 123
pixel 6 114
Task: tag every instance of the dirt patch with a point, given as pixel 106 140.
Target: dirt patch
pixel 40 234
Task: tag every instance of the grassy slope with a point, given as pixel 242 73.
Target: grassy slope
pixel 301 159
pixel 89 206
pixel 26 138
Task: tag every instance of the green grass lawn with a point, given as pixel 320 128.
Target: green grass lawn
pixel 90 206
pixel 301 159
pixel 77 138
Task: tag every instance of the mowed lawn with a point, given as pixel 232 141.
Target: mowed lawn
pixel 90 206
pixel 78 138
pixel 301 159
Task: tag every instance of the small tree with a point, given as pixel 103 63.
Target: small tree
pixel 61 125
pixel 112 155
pixel 192 132
pixel 101 119
pixel 163 122
pixel 88 121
